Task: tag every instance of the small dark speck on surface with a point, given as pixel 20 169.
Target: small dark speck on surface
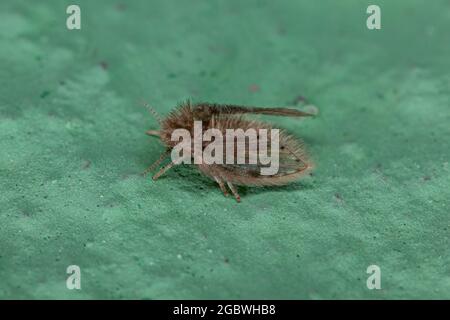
pixel 281 31
pixel 27 213
pixel 44 94
pixel 86 164
pixel 253 88
pixel 338 197
pixel 121 7
pixel 299 99
pixel 104 65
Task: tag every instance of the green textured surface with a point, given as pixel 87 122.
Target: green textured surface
pixel 72 146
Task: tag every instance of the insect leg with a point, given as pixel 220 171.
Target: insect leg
pixel 221 185
pixel 157 162
pixel 163 170
pixel 234 191
pixel 152 111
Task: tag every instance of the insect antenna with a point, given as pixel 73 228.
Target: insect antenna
pixel 234 109
pixel 279 112
pixel 152 111
pixel 155 115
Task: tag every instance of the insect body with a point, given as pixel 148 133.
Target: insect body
pixel 293 162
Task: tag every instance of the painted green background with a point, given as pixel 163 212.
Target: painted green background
pixel 72 147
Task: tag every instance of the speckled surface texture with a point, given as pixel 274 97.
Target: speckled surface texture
pixel 72 147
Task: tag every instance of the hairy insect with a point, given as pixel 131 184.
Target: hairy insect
pixel 293 160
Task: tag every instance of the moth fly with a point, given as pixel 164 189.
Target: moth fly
pixel 293 162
